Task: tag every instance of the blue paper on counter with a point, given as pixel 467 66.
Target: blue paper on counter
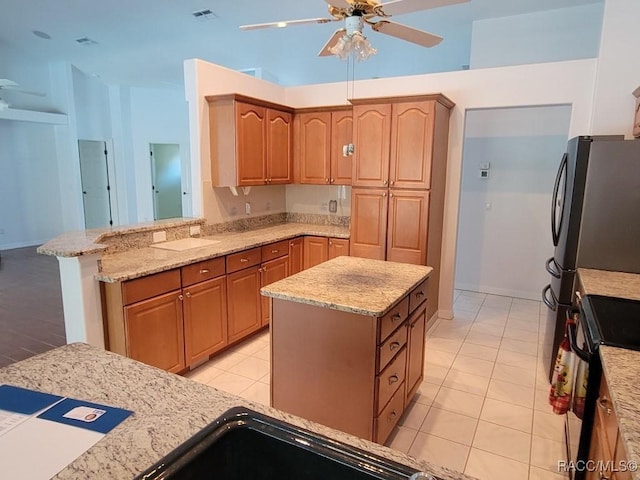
pixel 24 401
pixel 90 416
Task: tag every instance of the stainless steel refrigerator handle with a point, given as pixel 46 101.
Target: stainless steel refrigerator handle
pixel 553 271
pixel 555 234
pixel 546 300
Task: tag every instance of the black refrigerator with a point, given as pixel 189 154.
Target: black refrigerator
pixel 595 220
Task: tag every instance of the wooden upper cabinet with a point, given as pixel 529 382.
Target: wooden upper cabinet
pixel 251 143
pixel 279 165
pixel 368 223
pixel 412 128
pixel 371 127
pixel 314 147
pixel 408 226
pixel 341 135
pixel 319 153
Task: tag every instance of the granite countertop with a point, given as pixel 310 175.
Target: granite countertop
pixel 86 242
pixel 351 284
pixel 139 262
pixel 621 367
pixel 168 409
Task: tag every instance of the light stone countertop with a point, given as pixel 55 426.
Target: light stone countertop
pixel 86 242
pixel 351 284
pixel 168 409
pixel 621 367
pixel 139 262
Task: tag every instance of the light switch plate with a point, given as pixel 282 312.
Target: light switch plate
pixel 194 230
pixel 159 236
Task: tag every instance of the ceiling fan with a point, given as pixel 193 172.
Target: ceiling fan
pixel 6 84
pixel 357 13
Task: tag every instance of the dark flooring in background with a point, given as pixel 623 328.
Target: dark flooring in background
pixel 31 317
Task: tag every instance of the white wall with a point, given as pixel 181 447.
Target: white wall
pixel 316 198
pixel 503 231
pixel 618 72
pixel 549 36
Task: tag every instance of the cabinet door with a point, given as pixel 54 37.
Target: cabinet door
pixel 338 247
pixel 371 132
pixel 272 271
pixel 341 135
pixel 408 225
pixel 155 333
pixel 279 147
pixel 296 257
pixel 411 144
pixel 205 319
pixel 314 147
pixel 415 351
pixel 316 251
pixel 368 223
pixel 250 144
pixel 243 302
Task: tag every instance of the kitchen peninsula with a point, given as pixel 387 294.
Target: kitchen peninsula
pixel 347 343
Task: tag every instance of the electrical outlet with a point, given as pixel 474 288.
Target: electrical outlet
pixel 194 230
pixel 333 206
pixel 247 208
pixel 159 236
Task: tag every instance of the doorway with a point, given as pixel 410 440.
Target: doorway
pixel 166 178
pixel 96 186
pixel 510 158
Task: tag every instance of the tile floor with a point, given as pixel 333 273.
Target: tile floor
pixel 482 408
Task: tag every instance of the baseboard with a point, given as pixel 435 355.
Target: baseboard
pixel 505 292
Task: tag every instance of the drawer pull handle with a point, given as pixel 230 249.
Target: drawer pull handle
pixel 203 271
pixel 188 294
pixel 180 297
pixel 602 403
pixel 393 379
pixel 419 294
pixel 244 260
pixel 394 346
pixel 396 317
pixel 275 251
pixel 392 416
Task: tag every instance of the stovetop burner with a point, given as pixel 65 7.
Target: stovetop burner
pixel 613 321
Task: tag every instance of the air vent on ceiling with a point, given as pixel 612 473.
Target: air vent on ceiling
pixel 204 15
pixel 86 41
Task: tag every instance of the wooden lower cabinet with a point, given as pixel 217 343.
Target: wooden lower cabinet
pixel 320 249
pixel 154 331
pixel 296 256
pixel 243 302
pixel 271 272
pixel 345 370
pixel 205 319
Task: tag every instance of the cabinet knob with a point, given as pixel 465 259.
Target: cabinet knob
pixel 332 180
pixel 385 182
pixel 602 404
pixel 188 294
pixel 393 379
pixel 394 346
pixel 180 297
pixel 392 416
pixel 291 244
pixel 326 180
pixel 390 195
pixel 384 194
pixel 419 294
pixel 392 182
pixel 396 317
pixel 203 271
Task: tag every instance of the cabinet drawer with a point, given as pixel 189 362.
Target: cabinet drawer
pixel 390 379
pixel 201 271
pixel 391 346
pixel 389 416
pixel 244 259
pixel 418 295
pixel 150 286
pixel 393 319
pixel 275 250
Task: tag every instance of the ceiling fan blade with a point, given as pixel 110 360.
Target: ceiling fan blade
pixel 331 42
pixel 399 7
pixel 285 23
pixel 409 34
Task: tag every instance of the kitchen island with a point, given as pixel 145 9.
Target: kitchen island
pixel 347 343
pixel 168 409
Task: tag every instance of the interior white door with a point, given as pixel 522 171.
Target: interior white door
pixel 96 191
pixel 166 180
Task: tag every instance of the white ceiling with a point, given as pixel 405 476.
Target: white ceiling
pixel 144 42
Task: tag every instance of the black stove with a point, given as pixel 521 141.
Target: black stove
pixel 612 321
